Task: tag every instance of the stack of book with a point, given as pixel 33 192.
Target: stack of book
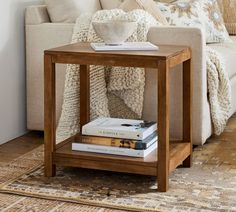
pixel 126 137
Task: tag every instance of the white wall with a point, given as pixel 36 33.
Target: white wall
pixel 12 69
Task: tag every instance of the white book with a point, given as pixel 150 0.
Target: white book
pixel 127 46
pixel 119 128
pixel 113 150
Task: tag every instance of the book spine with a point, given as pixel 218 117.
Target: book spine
pixel 115 142
pixel 112 133
pixel 107 150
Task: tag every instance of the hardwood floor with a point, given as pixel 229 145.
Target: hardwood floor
pixel 21 145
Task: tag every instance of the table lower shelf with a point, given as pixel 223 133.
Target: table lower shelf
pixel 64 156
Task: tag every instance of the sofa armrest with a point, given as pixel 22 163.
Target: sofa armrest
pixel 194 38
pixel 36 14
pixel 40 37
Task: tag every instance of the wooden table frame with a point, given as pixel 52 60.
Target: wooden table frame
pixel 169 155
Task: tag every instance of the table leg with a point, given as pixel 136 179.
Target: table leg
pixel 187 115
pixel 49 115
pixel 84 95
pixel 163 126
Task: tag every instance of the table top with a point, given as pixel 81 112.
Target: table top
pixel 164 52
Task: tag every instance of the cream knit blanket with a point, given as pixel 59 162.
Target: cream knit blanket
pixel 118 91
pixel 114 91
pixel 219 90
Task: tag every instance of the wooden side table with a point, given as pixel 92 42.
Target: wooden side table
pixel 160 163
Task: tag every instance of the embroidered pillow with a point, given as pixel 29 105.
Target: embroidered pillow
pixel 228 9
pixel 213 20
pixel 204 14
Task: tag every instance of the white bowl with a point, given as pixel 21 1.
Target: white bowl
pixel 114 32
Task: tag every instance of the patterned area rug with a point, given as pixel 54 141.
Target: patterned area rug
pixel 16 203
pixel 210 185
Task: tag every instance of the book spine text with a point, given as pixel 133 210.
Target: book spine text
pixel 115 142
pixel 107 150
pixel 112 133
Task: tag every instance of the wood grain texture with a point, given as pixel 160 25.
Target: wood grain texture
pixel 106 165
pixel 178 153
pixel 187 109
pixel 179 58
pixel 169 156
pixel 146 166
pixel 83 54
pixel 20 146
pixel 165 52
pixel 163 126
pixel 84 95
pixel 49 114
pixel 66 151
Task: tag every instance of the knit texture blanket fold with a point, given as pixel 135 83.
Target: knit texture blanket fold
pixel 114 91
pixel 219 90
pixel 118 91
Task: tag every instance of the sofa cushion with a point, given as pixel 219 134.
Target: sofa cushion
pixel 36 14
pixel 228 9
pixel 110 4
pixel 228 52
pixel 202 13
pixel 69 10
pixel 148 5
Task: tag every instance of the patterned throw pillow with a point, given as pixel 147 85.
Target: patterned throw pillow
pixel 204 14
pixel 228 9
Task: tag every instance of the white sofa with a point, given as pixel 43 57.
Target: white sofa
pixel 41 34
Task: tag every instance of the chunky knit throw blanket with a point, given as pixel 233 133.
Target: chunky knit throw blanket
pixel 118 91
pixel 219 90
pixel 114 91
